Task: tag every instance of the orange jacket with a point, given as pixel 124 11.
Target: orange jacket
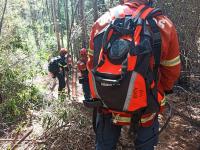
pixel 169 69
pixel 81 64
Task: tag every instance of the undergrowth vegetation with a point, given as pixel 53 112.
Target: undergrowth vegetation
pixel 17 91
pixel 58 112
pixel 22 58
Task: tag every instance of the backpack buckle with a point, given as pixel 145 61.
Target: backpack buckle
pixel 118 119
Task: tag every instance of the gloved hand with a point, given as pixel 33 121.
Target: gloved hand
pixel 169 92
pixel 81 80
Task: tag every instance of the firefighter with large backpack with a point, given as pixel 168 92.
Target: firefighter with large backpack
pixel 59 67
pixel 133 63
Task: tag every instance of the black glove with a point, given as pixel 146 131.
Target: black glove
pixel 169 92
pixel 81 80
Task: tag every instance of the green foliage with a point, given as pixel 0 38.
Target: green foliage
pixel 19 65
pixel 58 113
pixel 15 108
pixel 18 92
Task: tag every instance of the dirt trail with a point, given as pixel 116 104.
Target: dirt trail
pixel 77 133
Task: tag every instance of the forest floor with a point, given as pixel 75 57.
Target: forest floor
pixel 75 131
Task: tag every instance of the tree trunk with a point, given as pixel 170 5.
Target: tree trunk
pixel 62 37
pixel 48 12
pixel 111 2
pixel 56 24
pixel 67 20
pixel 101 5
pixel 83 23
pixel 34 24
pixel 2 17
pixel 95 10
pixel 1 99
pixel 74 9
pixel 60 22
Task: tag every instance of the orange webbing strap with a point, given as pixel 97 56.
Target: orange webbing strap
pixel 138 10
pixel 137 34
pixel 146 13
pixel 139 27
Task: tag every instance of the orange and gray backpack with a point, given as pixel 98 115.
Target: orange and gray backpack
pixel 125 75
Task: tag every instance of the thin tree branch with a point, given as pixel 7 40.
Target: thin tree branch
pixel 22 139
pixel 2 17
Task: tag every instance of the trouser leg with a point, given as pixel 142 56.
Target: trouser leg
pixel 144 133
pixel 61 81
pixel 61 86
pixel 86 89
pixel 107 134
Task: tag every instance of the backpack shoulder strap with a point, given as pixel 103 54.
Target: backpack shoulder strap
pixel 157 41
pixel 148 14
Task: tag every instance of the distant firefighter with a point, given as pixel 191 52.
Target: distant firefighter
pixel 59 67
pixel 83 73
